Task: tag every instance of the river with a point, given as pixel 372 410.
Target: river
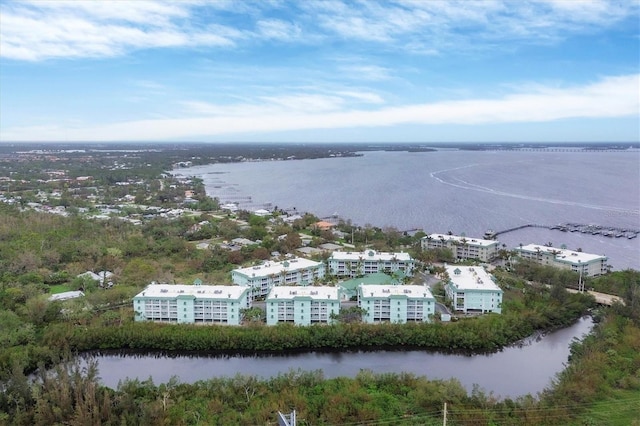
pixel 525 368
pixel 448 190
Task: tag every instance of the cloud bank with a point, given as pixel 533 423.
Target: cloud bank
pixel 609 97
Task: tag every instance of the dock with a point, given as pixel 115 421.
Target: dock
pixel 606 231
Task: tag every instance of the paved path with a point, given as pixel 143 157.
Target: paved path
pixel 602 298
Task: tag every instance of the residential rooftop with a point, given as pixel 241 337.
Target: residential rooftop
pixel 563 255
pixel 370 255
pixel 199 291
pixel 275 268
pixel 471 278
pixel 315 293
pixel 461 239
pixel 66 295
pixel 410 291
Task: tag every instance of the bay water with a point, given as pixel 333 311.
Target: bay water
pixel 460 191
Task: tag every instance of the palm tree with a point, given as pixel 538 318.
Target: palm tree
pixel 538 254
pixel 465 245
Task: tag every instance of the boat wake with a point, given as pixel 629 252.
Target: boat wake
pixel 462 184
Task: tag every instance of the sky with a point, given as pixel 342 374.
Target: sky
pixel 320 71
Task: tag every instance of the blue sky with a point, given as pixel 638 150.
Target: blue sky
pixel 325 71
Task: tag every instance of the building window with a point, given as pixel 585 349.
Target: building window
pixel 184 303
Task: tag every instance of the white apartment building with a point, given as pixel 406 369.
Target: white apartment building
pixel 590 265
pixel 472 289
pixel 396 303
pixel 302 305
pixel 463 247
pixel 354 264
pixel 189 304
pixel 262 278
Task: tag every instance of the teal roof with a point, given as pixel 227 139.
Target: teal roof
pixel 378 278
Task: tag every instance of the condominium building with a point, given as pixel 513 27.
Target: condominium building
pixel 396 303
pixel 589 265
pixel 302 305
pixel 472 289
pixel 354 264
pixel 188 304
pixel 262 278
pixel 463 247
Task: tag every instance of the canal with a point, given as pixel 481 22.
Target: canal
pixel 525 368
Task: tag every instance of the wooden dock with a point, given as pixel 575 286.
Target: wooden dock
pixel 606 231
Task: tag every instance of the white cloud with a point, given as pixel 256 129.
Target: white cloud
pixel 429 27
pixel 48 29
pixel 310 103
pixel 306 103
pixel 364 97
pixel 610 97
pixel 39 30
pixel 278 30
pixel 365 72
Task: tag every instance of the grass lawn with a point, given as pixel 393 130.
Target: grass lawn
pixel 622 408
pixel 60 288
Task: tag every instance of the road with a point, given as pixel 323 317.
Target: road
pixel 602 298
pixel 429 280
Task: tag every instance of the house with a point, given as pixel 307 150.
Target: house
pixel 330 247
pixel 323 225
pixel 396 303
pixel 242 242
pixel 472 289
pixel 589 265
pixel 462 247
pixel 262 213
pixel 302 305
pixel 66 295
pixel 191 304
pixel 309 251
pixel 231 207
pixel 262 278
pixel 354 264
pixel 103 277
pixel 292 218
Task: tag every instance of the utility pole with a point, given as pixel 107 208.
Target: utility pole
pixel 580 283
pixel 444 418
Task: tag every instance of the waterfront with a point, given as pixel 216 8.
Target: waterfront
pixel 461 191
pixel 516 370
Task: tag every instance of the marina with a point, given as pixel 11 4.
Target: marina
pixel 607 231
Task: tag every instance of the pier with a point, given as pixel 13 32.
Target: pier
pixel 607 231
